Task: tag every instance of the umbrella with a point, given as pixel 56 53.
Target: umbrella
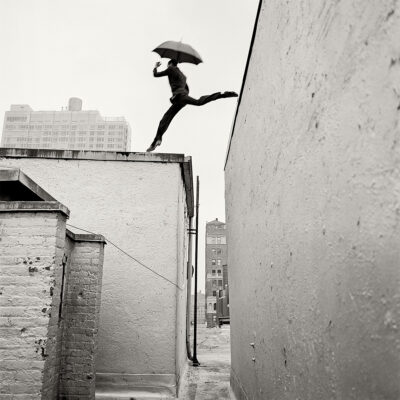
pixel 178 51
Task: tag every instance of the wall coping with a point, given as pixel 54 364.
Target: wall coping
pixel 33 206
pixel 15 174
pixel 185 162
pixel 85 237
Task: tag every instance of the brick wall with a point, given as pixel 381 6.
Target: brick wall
pixel 29 297
pixel 46 350
pixel 80 315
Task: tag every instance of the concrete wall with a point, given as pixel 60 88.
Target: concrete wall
pixel 312 201
pixel 30 282
pixel 141 207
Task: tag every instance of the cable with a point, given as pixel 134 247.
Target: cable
pixel 133 258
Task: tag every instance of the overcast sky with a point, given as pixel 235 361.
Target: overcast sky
pixel 100 51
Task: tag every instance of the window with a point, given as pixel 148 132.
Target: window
pixel 210 240
pixel 215 306
pixel 14 119
pixel 219 251
pixel 100 139
pixel 214 293
pixel 213 251
pixel 213 271
pixel 218 240
pixel 110 139
pixel 219 272
pixel 219 282
pixel 210 306
pixel 218 262
pixel 99 146
pixel 212 262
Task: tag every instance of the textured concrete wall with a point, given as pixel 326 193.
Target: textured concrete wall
pixel 80 314
pixel 137 205
pixel 30 281
pixel 313 211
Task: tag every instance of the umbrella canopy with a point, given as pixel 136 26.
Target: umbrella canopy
pixel 178 51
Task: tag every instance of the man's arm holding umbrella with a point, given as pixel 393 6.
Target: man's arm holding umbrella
pixel 158 74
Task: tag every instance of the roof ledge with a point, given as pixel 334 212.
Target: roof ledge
pixel 33 206
pixel 86 237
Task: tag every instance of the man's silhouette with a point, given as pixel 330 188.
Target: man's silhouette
pixel 180 97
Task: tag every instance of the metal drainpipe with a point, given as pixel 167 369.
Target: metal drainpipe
pixel 189 290
pixel 195 362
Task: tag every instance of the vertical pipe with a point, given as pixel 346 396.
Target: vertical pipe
pixel 189 291
pixel 195 362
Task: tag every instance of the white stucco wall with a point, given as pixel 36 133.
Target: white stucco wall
pixel 313 205
pixel 141 207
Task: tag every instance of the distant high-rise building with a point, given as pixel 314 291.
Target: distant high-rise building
pixel 216 267
pixel 69 129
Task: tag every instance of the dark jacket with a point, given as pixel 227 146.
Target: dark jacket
pixel 177 80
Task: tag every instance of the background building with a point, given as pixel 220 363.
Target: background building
pixel 201 311
pixel 72 129
pixel 312 204
pixel 216 259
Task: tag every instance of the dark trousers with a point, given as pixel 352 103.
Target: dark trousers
pixel 178 102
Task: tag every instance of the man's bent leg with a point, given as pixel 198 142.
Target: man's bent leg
pixel 164 124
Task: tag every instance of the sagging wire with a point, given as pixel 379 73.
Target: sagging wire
pixel 130 256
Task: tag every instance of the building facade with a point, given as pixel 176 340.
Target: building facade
pixel 312 204
pixel 201 310
pixel 216 263
pixel 51 282
pixel 127 197
pixel 69 129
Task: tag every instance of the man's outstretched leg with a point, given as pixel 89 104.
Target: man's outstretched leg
pixel 164 124
pixel 206 99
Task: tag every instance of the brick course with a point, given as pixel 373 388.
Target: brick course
pixel 28 271
pixel 81 317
